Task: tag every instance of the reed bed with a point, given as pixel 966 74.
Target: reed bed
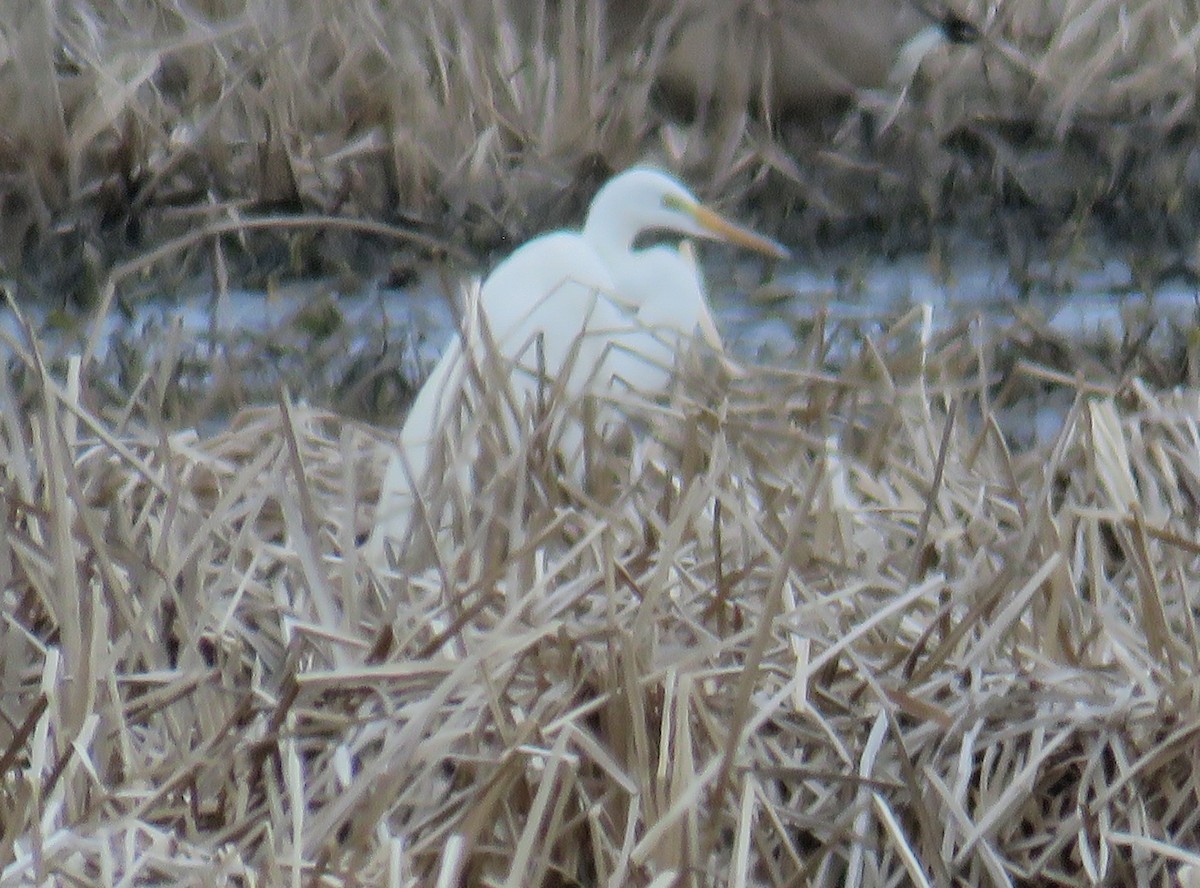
pixel 817 625
pixel 282 138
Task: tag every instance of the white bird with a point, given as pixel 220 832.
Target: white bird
pixel 585 303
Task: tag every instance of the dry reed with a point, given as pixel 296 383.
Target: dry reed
pixel 818 626
pixel 129 123
pixel 841 630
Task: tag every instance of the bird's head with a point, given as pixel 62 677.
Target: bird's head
pixel 643 199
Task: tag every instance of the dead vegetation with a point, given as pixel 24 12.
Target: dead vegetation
pixel 850 629
pixel 128 123
pixel 839 632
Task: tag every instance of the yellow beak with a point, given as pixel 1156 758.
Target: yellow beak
pixel 720 228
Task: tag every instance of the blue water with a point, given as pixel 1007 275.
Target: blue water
pixel 1092 298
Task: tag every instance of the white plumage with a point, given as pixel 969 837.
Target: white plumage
pixel 588 304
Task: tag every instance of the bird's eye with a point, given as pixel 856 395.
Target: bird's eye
pixel 674 202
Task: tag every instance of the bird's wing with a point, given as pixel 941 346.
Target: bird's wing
pixel 409 462
pixel 539 310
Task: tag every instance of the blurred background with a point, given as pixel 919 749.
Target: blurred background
pixel 479 122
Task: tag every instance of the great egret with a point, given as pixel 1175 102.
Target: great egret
pixel 585 303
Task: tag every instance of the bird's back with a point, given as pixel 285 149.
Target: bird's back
pixel 547 287
pixel 546 312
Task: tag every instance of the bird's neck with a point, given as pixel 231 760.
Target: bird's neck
pixel 607 234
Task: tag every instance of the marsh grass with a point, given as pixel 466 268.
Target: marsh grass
pixel 834 624
pixel 447 125
pixel 826 625
pixel 184 118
